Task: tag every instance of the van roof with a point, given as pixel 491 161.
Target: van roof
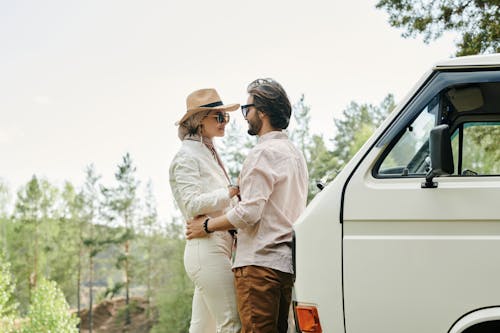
pixel 486 60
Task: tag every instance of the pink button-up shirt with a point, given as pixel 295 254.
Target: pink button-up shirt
pixel 273 185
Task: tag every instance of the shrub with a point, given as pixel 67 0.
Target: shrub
pixel 49 311
pixel 8 307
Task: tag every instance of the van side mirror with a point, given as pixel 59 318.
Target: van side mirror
pixel 440 153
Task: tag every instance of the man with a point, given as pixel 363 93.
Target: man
pixel 273 188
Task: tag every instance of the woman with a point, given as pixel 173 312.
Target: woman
pixel 201 186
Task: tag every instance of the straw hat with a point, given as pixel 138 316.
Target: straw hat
pixel 205 100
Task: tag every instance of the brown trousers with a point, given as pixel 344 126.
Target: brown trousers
pixel 264 296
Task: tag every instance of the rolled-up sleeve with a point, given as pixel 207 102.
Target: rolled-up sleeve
pixel 186 175
pixel 256 186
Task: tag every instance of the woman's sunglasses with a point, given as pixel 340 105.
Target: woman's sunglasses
pixel 221 117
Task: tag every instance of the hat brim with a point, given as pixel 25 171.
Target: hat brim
pixel 190 112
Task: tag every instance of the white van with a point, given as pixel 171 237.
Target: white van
pixel 406 239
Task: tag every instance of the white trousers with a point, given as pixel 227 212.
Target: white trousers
pixel 208 264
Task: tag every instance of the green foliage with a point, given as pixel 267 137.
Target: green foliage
pixel 120 208
pixel 112 290
pixel 318 158
pixel 4 219
pixel 174 310
pixel 36 231
pixel 323 165
pixel 122 312
pixel 8 306
pixel 121 200
pixel 49 312
pixel 148 245
pixel 4 199
pixel 480 149
pixel 176 292
pixel 476 21
pixel 65 270
pixel 8 324
pixel 356 125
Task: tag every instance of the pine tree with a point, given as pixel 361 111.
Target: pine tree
pixel 149 230
pixel 4 220
pixel 357 123
pixel 92 241
pixel 121 203
pixel 74 225
pixel 33 215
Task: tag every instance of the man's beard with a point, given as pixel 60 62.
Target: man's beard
pixel 254 125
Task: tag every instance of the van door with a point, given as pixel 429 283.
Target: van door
pixel 417 259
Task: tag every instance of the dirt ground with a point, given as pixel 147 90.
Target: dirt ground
pixel 109 317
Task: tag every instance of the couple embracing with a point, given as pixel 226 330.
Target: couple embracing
pixel 253 293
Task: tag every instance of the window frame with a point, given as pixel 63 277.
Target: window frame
pixel 459 126
pixel 435 86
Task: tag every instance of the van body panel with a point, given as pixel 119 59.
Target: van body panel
pixel 319 256
pixel 420 263
pixel 469 61
pixel 417 254
pixel 475 317
pixel 376 252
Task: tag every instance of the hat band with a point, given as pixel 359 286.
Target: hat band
pixel 211 105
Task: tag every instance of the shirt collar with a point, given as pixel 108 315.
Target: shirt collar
pixel 273 135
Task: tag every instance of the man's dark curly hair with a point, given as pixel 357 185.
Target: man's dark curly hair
pixel 270 97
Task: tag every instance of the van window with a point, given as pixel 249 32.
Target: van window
pixel 409 156
pixel 480 153
pixel 472 112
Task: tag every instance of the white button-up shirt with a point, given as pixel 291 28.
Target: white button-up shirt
pixel 273 188
pixel 199 186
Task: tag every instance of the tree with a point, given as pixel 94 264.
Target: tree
pixel 92 241
pixel 356 125
pixel 176 291
pixel 48 311
pixel 318 158
pixel 121 204
pixel 300 134
pixel 476 21
pixel 29 215
pixel 8 305
pixel 33 214
pixel 4 201
pixel 4 198
pixel 73 226
pixel 480 150
pixel 148 230
pixel 323 165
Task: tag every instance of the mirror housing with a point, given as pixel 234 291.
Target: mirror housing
pixel 440 153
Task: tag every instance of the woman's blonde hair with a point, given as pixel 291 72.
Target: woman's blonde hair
pixel 192 126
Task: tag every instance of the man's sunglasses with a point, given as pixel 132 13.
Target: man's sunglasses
pixel 245 109
pixel 221 117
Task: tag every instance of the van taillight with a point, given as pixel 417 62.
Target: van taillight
pixel 307 318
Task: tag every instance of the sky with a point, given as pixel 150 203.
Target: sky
pixel 85 82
